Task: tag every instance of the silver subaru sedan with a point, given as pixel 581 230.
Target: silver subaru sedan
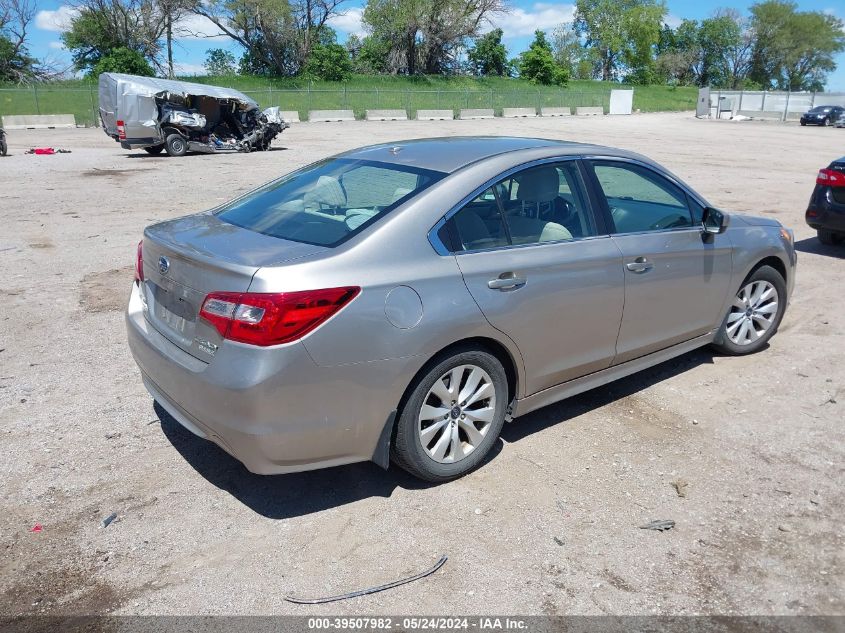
pixel 401 302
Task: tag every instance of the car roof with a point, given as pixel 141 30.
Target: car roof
pixel 448 154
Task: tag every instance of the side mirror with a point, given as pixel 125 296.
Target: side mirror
pixel 714 221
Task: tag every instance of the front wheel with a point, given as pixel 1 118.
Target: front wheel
pixel 755 313
pixel 453 416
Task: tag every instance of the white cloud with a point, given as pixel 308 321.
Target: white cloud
pixel 189 69
pixel 57 21
pixel 349 22
pixel 58 46
pixel 541 15
pixel 673 21
pixel 197 27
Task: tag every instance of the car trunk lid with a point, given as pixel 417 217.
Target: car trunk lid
pixel 186 259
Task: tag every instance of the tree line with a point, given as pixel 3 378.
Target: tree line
pixel 774 46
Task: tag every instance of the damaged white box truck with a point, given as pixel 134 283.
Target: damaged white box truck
pixel 178 116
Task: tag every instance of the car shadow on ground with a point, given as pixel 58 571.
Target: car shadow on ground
pixel 566 410
pixel 814 247
pixel 286 496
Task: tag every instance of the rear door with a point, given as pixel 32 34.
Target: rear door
pixel 557 292
pixel 676 277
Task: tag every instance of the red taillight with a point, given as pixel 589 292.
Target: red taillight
pixel 272 319
pixel 139 262
pixel 831 178
pixel 121 131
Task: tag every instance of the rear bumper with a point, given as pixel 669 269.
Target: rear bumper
pixel 273 409
pixel 139 143
pixel 824 213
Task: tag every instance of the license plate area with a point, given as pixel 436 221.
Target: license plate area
pixel 174 310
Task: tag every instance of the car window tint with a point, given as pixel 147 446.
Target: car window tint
pixel 478 225
pixel 327 202
pixel 546 204
pixel 641 200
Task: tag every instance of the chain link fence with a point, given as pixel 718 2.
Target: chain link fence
pixel 82 102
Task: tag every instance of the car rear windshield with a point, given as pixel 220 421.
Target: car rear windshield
pixel 328 202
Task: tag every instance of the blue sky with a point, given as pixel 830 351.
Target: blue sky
pixel 518 25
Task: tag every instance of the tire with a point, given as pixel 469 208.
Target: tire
pixel 828 122
pixel 803 124
pixel 155 149
pixel 176 145
pixel 751 304
pixel 828 238
pixel 442 458
pixel 3 147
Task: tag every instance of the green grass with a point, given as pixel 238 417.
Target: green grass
pixel 362 92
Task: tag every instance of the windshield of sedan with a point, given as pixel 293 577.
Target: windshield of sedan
pixel 328 202
pixel 821 109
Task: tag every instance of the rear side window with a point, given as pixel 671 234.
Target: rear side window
pixel 328 202
pixel 540 204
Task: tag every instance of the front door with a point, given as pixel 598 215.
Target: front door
pixel 543 272
pixel 676 277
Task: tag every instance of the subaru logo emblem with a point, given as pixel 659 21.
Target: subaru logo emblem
pixel 163 265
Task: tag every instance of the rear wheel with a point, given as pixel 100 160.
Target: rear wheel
pixel 155 149
pixel 755 313
pixel 829 238
pixel 176 145
pixel 452 417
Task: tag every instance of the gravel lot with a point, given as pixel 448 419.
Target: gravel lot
pixel 549 526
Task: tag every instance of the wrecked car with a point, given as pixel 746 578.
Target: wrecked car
pixel 178 116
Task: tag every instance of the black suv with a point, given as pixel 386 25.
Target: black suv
pixel 822 115
pixel 826 212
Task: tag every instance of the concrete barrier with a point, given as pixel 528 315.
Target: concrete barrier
pixel 516 113
pixel 387 115
pixel 476 113
pixel 762 115
pixel 330 115
pixel 435 115
pixel 290 116
pixel 38 121
pixel 556 111
pixel 589 111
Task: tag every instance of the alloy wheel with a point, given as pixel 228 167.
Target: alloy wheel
pixel 752 312
pixel 456 414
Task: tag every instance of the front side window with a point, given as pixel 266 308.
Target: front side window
pixel 540 204
pixel 328 202
pixel 640 199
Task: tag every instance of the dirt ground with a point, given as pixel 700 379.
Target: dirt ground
pixel 548 526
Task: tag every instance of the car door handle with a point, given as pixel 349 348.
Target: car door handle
pixel 639 265
pixel 506 281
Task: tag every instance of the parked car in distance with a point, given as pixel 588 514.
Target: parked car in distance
pixel 822 115
pixel 826 211
pixel 402 301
